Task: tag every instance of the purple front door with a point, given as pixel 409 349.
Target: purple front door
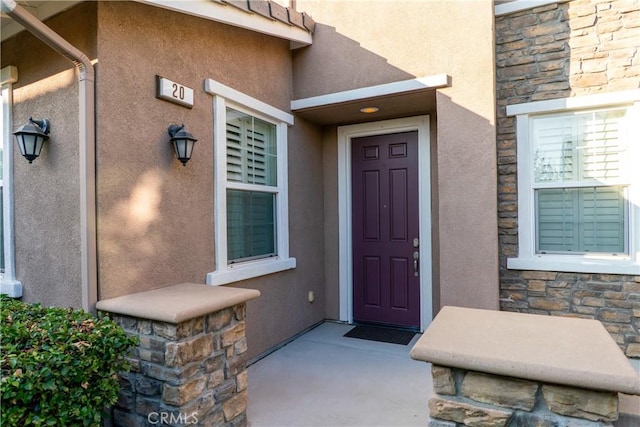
pixel 386 282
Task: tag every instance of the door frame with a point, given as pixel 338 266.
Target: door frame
pixel 345 246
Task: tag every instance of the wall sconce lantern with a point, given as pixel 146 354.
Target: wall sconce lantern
pixel 183 143
pixel 31 137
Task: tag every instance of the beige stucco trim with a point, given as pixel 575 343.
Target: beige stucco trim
pixel 553 349
pixel 177 303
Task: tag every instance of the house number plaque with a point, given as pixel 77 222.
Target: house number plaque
pixel 174 92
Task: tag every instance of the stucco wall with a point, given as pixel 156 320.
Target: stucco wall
pixel 47 192
pixel 156 218
pixel 331 218
pixel 155 222
pixel 359 44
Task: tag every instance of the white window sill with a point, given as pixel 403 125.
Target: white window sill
pixel 576 264
pixel 11 288
pixel 249 270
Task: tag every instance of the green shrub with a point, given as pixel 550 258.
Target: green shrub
pixel 59 366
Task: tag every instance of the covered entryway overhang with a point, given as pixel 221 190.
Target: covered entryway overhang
pixel 407 106
pixel 405 98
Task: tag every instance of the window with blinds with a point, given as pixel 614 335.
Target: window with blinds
pixel 580 182
pixel 251 209
pixel 251 149
pixel 251 225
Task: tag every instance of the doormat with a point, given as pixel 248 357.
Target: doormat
pixel 381 334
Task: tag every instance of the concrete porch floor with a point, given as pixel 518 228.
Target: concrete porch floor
pixel 325 379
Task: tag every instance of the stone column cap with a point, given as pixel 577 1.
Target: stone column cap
pixel 177 303
pixel 560 350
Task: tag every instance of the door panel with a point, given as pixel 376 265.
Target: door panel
pixel 399 277
pixel 398 204
pixel 385 222
pixel 371 285
pixel 371 214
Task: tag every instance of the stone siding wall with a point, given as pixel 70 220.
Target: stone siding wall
pixel 468 398
pixel 573 48
pixel 190 373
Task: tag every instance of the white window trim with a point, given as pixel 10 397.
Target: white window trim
pixel 527 259
pixel 519 5
pixel 8 283
pixel 223 97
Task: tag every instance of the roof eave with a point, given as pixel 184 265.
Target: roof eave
pixel 42 12
pixel 220 12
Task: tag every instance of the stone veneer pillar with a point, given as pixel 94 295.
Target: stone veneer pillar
pixel 190 365
pixel 494 368
pixel 469 398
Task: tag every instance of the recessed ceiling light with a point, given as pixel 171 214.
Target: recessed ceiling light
pixel 369 110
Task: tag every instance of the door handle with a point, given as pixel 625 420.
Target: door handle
pixel 416 258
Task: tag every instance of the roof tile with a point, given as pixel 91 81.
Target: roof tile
pixel 274 11
pixel 309 23
pixel 279 12
pixel 260 7
pixel 295 18
pixel 240 4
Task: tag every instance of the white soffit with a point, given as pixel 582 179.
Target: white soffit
pixel 230 15
pixel 40 9
pixel 405 86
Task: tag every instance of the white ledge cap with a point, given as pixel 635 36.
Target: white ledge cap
pixel 560 350
pixel 177 303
